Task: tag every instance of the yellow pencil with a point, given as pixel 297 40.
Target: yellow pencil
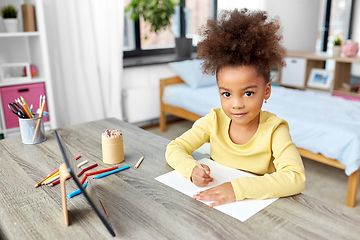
pixel 50 177
pixel 51 180
pixel 26 107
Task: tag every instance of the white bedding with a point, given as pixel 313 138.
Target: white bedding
pixel 318 122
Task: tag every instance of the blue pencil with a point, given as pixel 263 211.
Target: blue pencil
pixel 113 171
pixel 77 192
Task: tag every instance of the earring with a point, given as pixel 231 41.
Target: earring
pixel 265 101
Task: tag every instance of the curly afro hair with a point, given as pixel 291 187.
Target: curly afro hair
pixel 241 38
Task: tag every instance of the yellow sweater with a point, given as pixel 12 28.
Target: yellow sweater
pixel 270 154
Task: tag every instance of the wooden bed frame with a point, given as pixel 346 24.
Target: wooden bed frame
pixel 353 181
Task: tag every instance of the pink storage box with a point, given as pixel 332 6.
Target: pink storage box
pixel 30 92
pixel 346 97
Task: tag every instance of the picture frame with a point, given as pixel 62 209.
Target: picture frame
pixel 320 78
pixel 10 72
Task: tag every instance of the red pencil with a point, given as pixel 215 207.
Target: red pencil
pixel 39 183
pixel 85 169
pixel 56 182
pixel 84 178
pixel 97 172
pixel 101 171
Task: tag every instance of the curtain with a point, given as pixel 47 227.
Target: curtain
pixel 85 39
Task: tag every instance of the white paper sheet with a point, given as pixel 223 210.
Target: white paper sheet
pixel 241 210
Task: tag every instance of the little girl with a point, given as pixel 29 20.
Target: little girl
pixel 240 48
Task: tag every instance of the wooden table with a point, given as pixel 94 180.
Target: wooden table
pixel 139 206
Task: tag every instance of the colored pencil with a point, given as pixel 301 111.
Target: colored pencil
pixel 82 163
pixel 26 106
pixel 22 106
pixel 84 178
pixel 40 102
pixel 106 213
pixel 52 180
pixel 111 172
pixel 139 162
pixel 97 172
pixel 199 165
pixel 53 172
pixel 50 177
pixel 85 169
pixel 39 183
pixel 38 122
pixel 77 157
pixel 56 182
pixel 77 192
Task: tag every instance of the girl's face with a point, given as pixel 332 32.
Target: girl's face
pixel 242 92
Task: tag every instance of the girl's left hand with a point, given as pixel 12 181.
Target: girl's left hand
pixel 221 194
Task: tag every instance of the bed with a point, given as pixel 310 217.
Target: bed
pixel 334 141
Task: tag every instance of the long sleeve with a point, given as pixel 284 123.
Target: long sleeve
pixel 288 178
pixel 270 154
pixel 178 152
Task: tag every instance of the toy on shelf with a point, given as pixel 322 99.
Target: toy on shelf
pixel 350 48
pixel 33 71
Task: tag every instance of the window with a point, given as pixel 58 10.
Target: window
pixel 129 34
pixel 334 20
pixel 164 38
pixel 196 14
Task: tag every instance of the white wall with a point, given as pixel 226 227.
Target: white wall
pixel 299 19
pixel 253 4
pixel 355 67
pixel 356 22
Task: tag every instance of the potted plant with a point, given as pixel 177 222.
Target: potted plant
pixel 158 14
pixel 9 15
pixel 337 47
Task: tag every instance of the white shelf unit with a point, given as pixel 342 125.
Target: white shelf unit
pixel 30 47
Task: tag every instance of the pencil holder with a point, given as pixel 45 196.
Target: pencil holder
pixel 112 150
pixel 32 130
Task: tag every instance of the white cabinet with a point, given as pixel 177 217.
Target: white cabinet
pixel 293 75
pixel 26 47
pixel 141 91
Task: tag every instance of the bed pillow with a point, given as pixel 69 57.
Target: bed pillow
pixel 190 72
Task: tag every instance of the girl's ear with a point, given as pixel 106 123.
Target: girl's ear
pixel 267 91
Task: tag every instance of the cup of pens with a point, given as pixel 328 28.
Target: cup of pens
pixel 112 147
pixel 32 130
pixel 31 124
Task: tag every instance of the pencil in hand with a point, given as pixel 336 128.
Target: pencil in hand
pixel 201 167
pixel 206 171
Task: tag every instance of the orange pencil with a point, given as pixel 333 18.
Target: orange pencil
pixel 22 106
pixel 26 107
pixel 50 174
pixel 38 123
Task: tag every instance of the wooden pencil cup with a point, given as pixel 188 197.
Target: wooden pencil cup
pixel 113 150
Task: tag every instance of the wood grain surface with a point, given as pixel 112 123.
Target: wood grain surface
pixel 139 207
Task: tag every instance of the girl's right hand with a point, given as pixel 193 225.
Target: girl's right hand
pixel 201 177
